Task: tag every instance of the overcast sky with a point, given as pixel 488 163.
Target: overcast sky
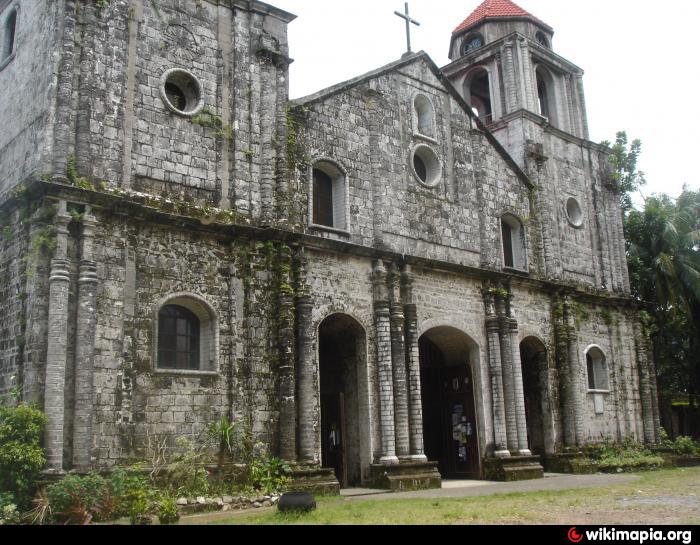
pixel 640 58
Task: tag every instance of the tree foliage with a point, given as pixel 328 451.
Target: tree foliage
pixel 623 160
pixel 663 251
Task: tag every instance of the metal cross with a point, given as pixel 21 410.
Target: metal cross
pixel 408 25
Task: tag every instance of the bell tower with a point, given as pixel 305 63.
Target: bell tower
pixel 504 65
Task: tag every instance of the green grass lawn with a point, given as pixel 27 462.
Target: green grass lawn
pixel 661 497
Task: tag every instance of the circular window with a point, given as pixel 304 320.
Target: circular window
pixel 181 92
pixel 574 212
pixel 426 166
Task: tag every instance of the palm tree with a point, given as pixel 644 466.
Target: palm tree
pixel 664 258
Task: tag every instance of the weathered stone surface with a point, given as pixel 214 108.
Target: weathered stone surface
pixel 216 213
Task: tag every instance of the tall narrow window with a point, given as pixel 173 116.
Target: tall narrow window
pixel 507 233
pixel 323 199
pixel 597 371
pixel 477 91
pixel 546 95
pixel 9 32
pixel 513 238
pixel 178 339
pixel 328 196
pixel 424 116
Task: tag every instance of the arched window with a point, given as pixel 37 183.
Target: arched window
pixel 424 116
pixel 541 37
pixel 477 92
pixel 472 43
pixel 187 335
pixel 9 31
pixel 178 339
pixel 597 370
pixel 546 95
pixel 513 237
pixel 328 196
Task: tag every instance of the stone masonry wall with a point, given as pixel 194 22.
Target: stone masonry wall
pixel 27 87
pixel 456 221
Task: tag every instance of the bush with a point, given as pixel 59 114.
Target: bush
pixel 21 455
pixel 9 515
pixel 626 456
pixel 167 510
pixel 684 446
pixel 186 475
pixel 269 475
pixel 129 487
pixel 77 499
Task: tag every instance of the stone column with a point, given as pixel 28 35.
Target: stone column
pixel 531 94
pixel 288 405
pixel 510 79
pixel 582 102
pixel 415 401
pixel 56 356
pixel 398 359
pixel 384 364
pixel 85 348
pixel 520 416
pixel 572 394
pixel 495 370
pixel 507 373
pixel 306 383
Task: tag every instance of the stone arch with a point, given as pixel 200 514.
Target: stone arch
pixel 208 333
pixel 597 371
pixel 534 360
pixel 343 390
pixel 477 93
pixel 450 384
pixel 329 194
pixel 547 94
pixel 513 242
pixel 9 33
pixel 423 115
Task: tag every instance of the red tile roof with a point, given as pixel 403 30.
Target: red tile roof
pixel 494 8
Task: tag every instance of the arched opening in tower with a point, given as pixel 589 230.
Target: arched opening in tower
pixel 478 93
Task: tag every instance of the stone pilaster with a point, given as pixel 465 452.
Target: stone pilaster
pixel 306 383
pixel 510 79
pixel 520 416
pixel 571 372
pixel 582 103
pixel 382 325
pixel 56 353
pixel 287 384
pixel 85 348
pixel 415 402
pixel 508 382
pixel 495 370
pixel 398 358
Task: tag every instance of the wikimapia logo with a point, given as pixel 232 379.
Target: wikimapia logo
pixel 634 536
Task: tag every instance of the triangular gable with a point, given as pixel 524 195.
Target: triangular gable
pixel 407 60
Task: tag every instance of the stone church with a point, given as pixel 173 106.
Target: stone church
pixel 416 274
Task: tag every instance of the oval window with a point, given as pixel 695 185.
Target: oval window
pixel 426 166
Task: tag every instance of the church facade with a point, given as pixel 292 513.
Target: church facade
pixel 415 274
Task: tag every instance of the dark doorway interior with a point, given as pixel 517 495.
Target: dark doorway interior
pixel 341 342
pixel 449 416
pixel 533 355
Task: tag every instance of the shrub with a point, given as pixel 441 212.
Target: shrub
pixel 128 487
pixel 21 455
pixel 77 499
pixel 269 475
pixel 625 456
pixel 186 475
pixel 684 446
pixel 9 515
pixel 167 510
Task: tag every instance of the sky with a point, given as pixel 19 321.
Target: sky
pixel 640 58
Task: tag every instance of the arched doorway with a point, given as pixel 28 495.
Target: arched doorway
pixel 449 414
pixel 341 352
pixel 533 355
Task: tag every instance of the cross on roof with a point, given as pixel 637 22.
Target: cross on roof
pixel 408 25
